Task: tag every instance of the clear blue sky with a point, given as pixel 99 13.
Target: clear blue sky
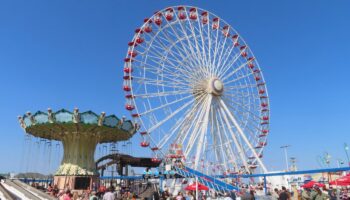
pixel 62 54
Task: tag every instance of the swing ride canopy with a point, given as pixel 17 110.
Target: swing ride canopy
pixel 79 134
pixel 54 126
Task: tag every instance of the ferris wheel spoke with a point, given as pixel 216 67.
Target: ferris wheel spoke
pixel 168 68
pixel 170 60
pixel 171 71
pixel 195 128
pixel 251 118
pixel 240 131
pixel 204 129
pixel 194 47
pixel 238 78
pixel 162 82
pixel 219 124
pixel 166 48
pixel 253 123
pixel 158 48
pixel 237 87
pixel 243 95
pixel 215 48
pixel 186 58
pixel 167 105
pixel 174 33
pixel 180 75
pixel 190 117
pixel 161 94
pixel 183 122
pixel 231 157
pixel 194 44
pixel 244 108
pixel 165 76
pixel 150 47
pixel 209 45
pixel 221 52
pixel 229 75
pixel 203 40
pixel 238 145
pixel 190 45
pixel 213 130
pixel 191 132
pixel 227 66
pixel 200 51
pixel 169 116
pixel 219 55
pixel 227 63
pixel 163 85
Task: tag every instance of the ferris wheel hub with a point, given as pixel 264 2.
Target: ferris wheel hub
pixel 215 86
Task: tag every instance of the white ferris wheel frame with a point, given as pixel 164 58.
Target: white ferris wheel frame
pixel 225 117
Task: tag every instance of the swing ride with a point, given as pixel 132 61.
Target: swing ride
pixel 79 133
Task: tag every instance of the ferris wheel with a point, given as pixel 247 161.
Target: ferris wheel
pixel 191 80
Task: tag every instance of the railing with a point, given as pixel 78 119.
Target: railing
pixel 206 180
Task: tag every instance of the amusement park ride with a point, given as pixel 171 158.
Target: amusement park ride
pixel 190 79
pixel 79 134
pixel 191 83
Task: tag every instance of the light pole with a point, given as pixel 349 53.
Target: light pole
pixel 327 159
pixel 346 148
pixel 340 162
pixel 284 147
pixel 293 161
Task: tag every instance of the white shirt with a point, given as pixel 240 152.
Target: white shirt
pixel 108 196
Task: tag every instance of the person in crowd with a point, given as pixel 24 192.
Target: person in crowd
pixel 101 191
pixel 244 194
pixel 179 196
pixel 86 193
pixel 67 195
pixel 94 186
pixel 284 194
pixel 233 195
pixel 75 196
pixel 155 195
pixel 227 196
pixel 305 195
pixel 275 194
pixel 49 189
pixel 55 190
pixel 187 195
pixel 319 195
pixel 93 196
pixel 332 193
pixel 251 194
pixel 109 195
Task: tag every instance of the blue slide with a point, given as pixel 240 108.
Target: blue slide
pixel 206 180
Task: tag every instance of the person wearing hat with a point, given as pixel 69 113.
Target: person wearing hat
pixel 318 194
pixel 305 195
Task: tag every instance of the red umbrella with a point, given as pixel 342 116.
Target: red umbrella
pixel 192 187
pixel 342 181
pixel 311 184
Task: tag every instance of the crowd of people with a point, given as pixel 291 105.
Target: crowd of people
pixel 318 193
pixel 314 193
pixel 245 193
pixel 102 193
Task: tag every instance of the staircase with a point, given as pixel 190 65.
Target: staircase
pixel 148 192
pixel 206 180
